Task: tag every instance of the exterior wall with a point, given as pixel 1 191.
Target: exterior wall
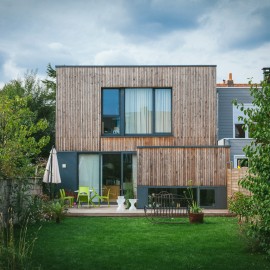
pixel 175 166
pixel 225 108
pixel 237 146
pixel 225 117
pixel 69 174
pixel 189 153
pixel 78 114
pixel 220 195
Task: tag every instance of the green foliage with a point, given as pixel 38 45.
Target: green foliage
pixel 193 205
pixel 18 146
pixel 56 211
pixel 40 100
pixel 239 204
pixel 258 153
pixel 16 250
pixel 129 194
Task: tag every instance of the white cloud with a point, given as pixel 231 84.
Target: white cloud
pixel 138 32
pixel 11 70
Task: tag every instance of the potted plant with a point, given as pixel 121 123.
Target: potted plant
pixel 196 214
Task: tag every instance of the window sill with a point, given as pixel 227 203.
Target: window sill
pixel 137 136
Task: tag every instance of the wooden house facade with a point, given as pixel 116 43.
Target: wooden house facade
pixel 145 128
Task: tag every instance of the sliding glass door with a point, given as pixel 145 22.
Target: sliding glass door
pixel 114 171
pixel 111 174
pixel 89 171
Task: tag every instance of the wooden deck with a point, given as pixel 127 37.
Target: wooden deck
pixel 105 211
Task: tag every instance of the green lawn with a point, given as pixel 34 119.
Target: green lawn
pixel 135 243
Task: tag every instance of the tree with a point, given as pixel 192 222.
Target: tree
pixel 18 146
pixel 258 152
pixel 40 100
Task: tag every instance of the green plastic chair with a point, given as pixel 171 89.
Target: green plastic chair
pixel 83 196
pixel 102 197
pixel 64 198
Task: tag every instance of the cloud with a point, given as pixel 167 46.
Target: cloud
pixel 239 25
pixel 233 34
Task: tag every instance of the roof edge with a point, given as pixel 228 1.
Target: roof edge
pixel 102 66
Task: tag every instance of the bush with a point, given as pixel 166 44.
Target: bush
pixel 240 204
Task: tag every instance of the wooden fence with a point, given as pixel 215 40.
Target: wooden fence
pixel 233 177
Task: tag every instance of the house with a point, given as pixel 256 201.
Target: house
pixel 230 129
pixel 145 128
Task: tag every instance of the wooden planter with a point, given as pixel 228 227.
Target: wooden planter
pixel 196 217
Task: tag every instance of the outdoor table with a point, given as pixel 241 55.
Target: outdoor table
pixel 90 191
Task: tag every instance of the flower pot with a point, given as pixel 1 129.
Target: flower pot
pixel 196 217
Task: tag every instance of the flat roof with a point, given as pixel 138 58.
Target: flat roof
pixel 99 66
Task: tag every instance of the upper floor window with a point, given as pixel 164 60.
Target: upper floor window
pixel 136 111
pixel 239 129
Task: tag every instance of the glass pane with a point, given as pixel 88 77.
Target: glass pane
pixel 128 188
pixel 138 110
pixel 111 174
pixel 89 171
pixel 207 197
pixel 239 131
pixel 111 125
pixel 110 102
pixel 163 113
pixel 242 162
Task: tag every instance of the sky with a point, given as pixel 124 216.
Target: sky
pixel 232 34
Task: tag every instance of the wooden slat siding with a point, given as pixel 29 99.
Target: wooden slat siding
pixel 233 177
pixel 78 121
pixel 176 166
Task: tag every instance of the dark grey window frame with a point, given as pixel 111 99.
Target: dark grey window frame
pixel 122 114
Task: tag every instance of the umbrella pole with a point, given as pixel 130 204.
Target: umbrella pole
pixel 50 182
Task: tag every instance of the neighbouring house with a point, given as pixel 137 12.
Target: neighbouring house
pixel 145 128
pixel 230 129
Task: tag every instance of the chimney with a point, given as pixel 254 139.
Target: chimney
pixel 266 74
pixel 230 81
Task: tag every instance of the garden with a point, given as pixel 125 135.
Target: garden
pixel 135 243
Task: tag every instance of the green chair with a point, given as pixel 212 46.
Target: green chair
pixel 64 198
pixel 102 197
pixel 83 196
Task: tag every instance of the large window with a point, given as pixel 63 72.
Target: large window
pixel 136 111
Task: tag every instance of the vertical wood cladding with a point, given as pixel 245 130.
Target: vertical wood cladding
pixel 78 116
pixel 205 166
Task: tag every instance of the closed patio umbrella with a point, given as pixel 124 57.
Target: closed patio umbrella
pixel 52 173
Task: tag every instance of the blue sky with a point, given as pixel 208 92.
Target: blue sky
pixel 232 34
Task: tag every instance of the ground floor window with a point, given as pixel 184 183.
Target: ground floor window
pixel 179 191
pixel 204 197
pixel 207 197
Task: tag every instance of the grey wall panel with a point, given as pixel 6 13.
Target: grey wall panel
pixel 225 112
pixel 69 175
pixel 237 146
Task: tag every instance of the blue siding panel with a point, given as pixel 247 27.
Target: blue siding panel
pixel 225 108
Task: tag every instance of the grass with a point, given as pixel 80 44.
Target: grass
pixel 135 243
